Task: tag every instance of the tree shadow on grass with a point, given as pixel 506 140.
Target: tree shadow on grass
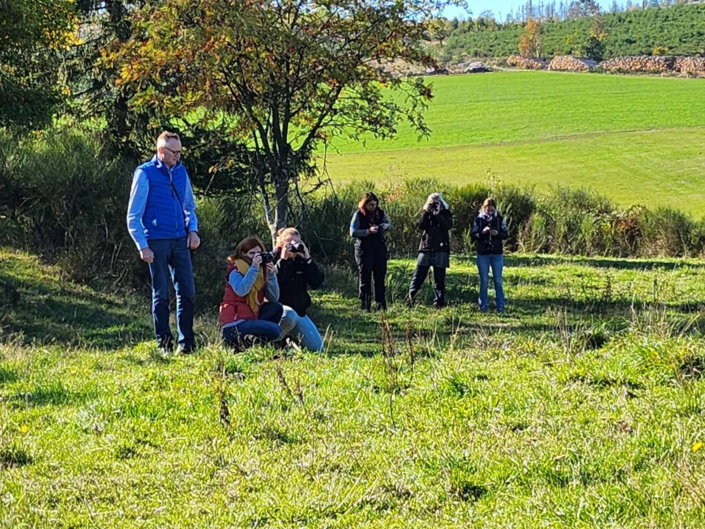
pixel 40 309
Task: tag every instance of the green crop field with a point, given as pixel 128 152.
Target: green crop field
pixel 584 407
pixel 637 140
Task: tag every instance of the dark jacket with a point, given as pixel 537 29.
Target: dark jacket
pixel 365 241
pixel 294 277
pixel 489 244
pixel 435 227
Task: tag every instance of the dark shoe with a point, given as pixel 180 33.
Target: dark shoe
pixel 366 304
pixel 185 349
pixel 380 307
pixel 439 305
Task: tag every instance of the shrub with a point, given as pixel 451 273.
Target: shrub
pixel 60 197
pixel 67 200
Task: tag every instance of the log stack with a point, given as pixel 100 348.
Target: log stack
pixel 642 63
pixel 690 65
pixel 568 63
pixel 526 63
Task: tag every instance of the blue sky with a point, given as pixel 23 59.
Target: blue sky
pixel 477 6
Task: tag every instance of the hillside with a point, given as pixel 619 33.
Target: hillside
pixel 637 140
pixel 584 407
pixel 679 29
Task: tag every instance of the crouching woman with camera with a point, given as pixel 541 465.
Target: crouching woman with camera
pixel 367 227
pixel 434 250
pixel 296 272
pixel 244 315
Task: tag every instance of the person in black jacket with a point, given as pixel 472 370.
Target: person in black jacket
pixel 368 226
pixel 489 231
pixel 296 272
pixel 434 250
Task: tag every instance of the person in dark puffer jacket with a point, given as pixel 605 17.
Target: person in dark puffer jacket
pixel 434 250
pixel 368 226
pixel 489 232
pixel 296 272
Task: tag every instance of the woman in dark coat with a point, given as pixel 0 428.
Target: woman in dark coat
pixel 368 226
pixel 489 232
pixel 434 250
pixel 296 273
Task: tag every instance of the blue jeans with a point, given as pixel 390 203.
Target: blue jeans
pixel 484 263
pixel 266 328
pixel 303 329
pixel 172 260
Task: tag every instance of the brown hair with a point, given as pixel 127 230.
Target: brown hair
pixel 489 202
pixel 367 197
pixel 284 232
pixel 243 247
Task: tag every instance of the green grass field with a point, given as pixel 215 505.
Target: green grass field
pixel 581 408
pixel 637 140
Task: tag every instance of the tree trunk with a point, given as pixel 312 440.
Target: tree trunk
pixel 277 212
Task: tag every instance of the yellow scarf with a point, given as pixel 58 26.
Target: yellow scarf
pixel 252 296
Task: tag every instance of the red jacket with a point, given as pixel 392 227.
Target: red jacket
pixel 234 307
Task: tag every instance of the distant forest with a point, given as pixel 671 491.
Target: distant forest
pixel 634 28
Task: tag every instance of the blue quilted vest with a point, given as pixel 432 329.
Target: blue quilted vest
pixel 164 216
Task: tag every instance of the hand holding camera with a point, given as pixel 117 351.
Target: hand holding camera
pixel 374 228
pixel 266 257
pixel 293 249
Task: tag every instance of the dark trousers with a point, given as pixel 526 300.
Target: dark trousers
pixel 439 279
pixel 172 261
pixel 369 264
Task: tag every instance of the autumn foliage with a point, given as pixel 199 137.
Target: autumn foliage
pixel 283 75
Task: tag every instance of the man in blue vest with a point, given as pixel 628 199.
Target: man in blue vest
pixel 162 221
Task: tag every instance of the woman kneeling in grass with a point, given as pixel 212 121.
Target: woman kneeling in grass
pixel 296 272
pixel 244 315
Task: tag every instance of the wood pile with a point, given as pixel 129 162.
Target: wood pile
pixel 642 63
pixel 568 63
pixel 690 64
pixel 526 63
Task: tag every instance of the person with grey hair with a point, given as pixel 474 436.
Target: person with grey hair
pixel 161 219
pixel 434 250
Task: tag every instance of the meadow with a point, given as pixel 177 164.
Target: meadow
pixel 583 407
pixel 635 139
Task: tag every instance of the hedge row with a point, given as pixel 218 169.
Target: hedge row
pixel 59 197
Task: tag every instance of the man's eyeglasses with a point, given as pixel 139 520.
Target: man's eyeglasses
pixel 175 153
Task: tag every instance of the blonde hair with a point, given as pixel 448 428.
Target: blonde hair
pixel 435 196
pixel 489 202
pixel 285 233
pixel 164 137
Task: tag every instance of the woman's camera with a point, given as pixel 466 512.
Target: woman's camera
pixel 267 257
pixel 296 247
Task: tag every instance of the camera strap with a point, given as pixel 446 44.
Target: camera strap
pixel 181 204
